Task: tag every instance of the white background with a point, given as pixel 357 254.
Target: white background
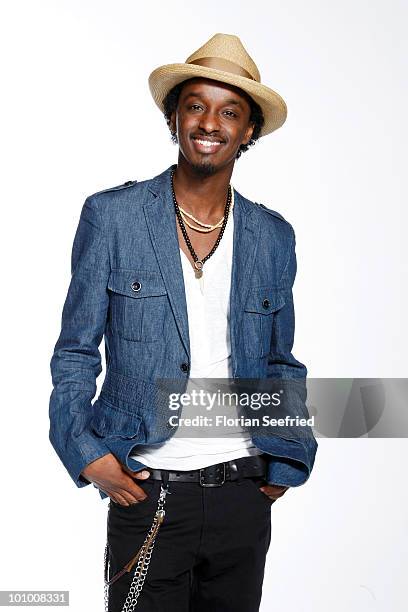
pixel 78 117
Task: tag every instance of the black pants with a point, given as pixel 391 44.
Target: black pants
pixel 209 554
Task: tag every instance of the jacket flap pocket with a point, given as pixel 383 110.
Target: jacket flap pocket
pixel 264 300
pixel 136 283
pixel 110 421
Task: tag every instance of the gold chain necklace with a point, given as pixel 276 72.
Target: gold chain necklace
pixel 198 263
pixel 205 227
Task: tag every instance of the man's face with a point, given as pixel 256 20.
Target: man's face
pixel 211 121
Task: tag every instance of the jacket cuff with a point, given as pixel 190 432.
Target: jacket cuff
pixel 292 464
pixel 76 457
pixel 83 461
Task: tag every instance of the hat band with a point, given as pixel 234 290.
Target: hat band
pixel 219 63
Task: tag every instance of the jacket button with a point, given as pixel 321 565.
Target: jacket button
pixel 266 303
pixel 136 286
pixel 184 367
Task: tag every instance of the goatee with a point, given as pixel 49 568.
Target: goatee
pixel 204 170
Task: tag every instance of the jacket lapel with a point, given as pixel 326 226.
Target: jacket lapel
pixel 161 221
pixel 246 239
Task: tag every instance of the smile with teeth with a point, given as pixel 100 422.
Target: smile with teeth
pixel 207 143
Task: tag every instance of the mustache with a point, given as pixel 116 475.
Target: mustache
pixel 208 137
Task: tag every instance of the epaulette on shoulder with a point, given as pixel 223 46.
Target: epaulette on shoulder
pixel 118 187
pixel 272 212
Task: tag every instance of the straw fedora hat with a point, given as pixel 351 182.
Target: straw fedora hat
pixel 222 58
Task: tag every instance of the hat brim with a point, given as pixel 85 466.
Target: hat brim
pixel 274 108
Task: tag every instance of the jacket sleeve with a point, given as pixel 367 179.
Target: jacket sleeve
pixel 296 448
pixel 76 360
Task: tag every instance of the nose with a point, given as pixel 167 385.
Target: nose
pixel 209 122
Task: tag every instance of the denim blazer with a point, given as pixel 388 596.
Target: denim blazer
pixel 127 287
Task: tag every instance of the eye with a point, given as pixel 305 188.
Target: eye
pixel 231 113
pixel 195 106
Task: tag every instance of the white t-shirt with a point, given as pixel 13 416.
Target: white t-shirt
pixel 208 317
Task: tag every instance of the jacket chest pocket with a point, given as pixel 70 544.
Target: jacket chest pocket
pixel 138 304
pixel 260 308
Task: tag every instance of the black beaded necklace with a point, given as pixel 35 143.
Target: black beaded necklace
pixel 198 263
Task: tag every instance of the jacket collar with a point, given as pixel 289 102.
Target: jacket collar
pixel 161 221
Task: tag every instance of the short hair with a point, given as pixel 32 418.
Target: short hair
pixel 256 115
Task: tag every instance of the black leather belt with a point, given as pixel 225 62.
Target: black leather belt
pixel 216 475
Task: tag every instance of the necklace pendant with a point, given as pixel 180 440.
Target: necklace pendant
pixel 198 265
pixel 199 274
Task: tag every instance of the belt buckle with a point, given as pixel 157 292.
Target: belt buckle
pixel 211 484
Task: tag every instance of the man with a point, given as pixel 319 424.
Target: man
pixel 185 279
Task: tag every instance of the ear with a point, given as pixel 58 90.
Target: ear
pixel 172 125
pixel 248 133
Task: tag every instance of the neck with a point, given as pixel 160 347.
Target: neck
pixel 202 195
